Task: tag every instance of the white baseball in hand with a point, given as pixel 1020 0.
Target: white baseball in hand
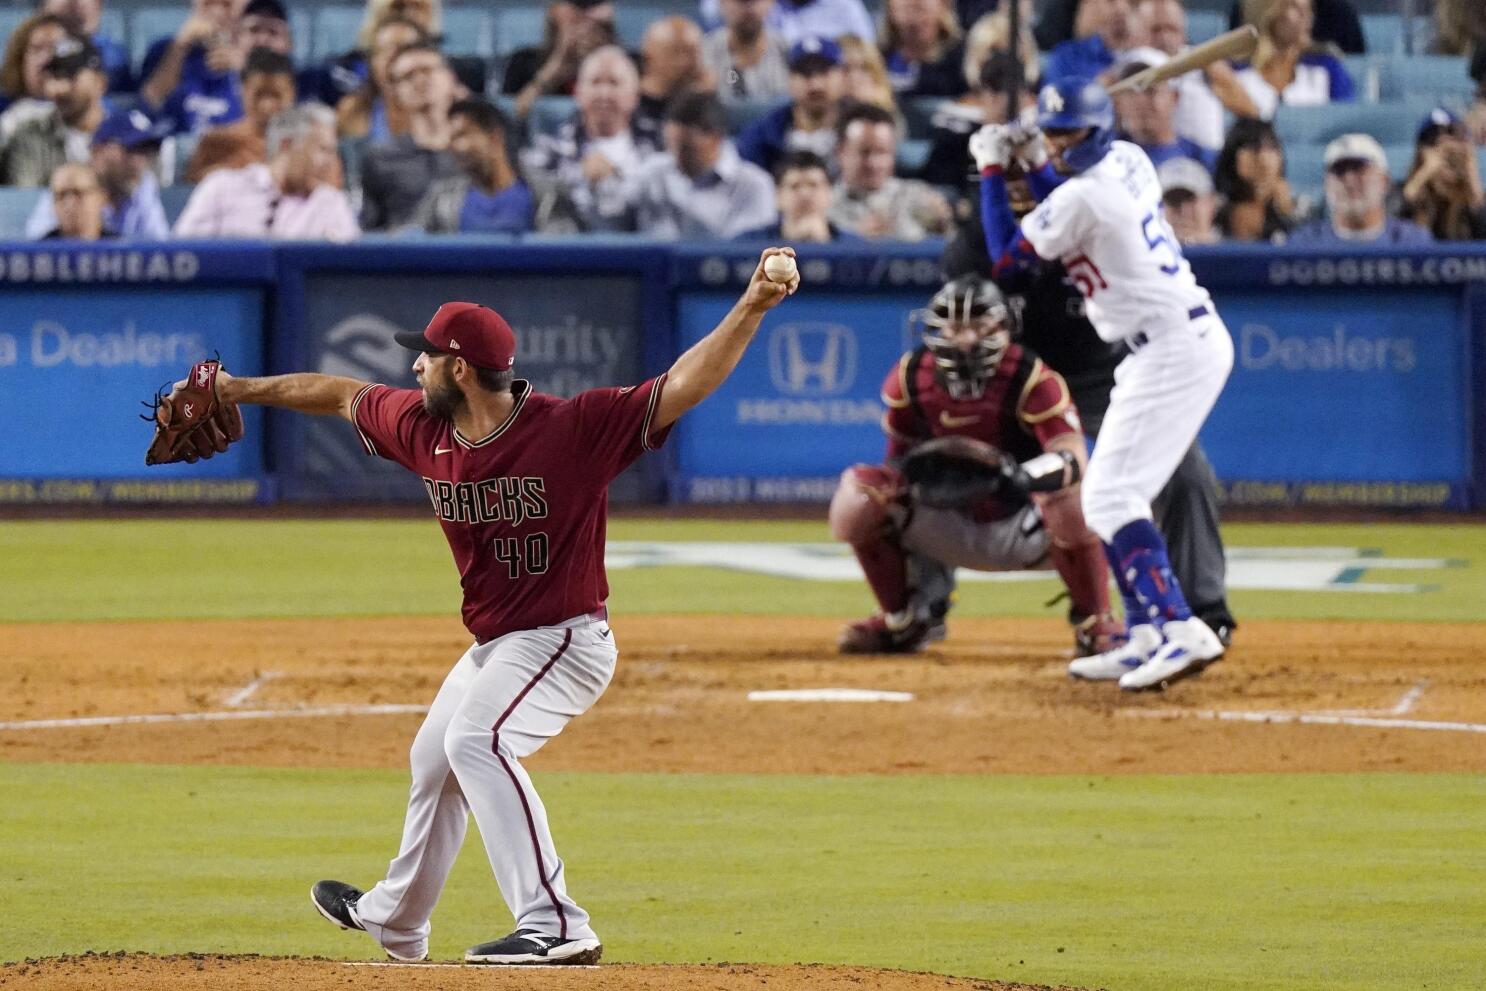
pixel 780 268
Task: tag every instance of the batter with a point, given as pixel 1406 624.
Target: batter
pixel 518 481
pixel 1100 215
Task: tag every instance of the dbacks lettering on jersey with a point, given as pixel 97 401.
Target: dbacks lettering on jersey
pixel 509 499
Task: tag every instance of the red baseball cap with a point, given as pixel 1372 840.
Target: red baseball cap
pixel 470 331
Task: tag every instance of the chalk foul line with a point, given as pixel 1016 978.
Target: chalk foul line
pixel 240 696
pixel 309 712
pixel 1308 718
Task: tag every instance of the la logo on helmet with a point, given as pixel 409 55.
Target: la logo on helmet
pixel 1052 100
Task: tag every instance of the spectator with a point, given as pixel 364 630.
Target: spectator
pixel 191 79
pixel 1443 190
pixel 749 61
pixel 1336 22
pixel 22 79
pixel 922 49
pixel 1356 201
pixel 1205 93
pixel 796 20
pixel 123 157
pixel 367 112
pixel 39 144
pixel 993 33
pixel 1257 204
pixel 949 162
pixel 77 202
pixel 396 173
pixel 808 121
pixel 700 188
pixel 575 30
pixel 293 196
pixel 339 77
pixel 1147 116
pixel 1187 196
pixel 583 175
pixel 671 64
pixel 267 91
pixel 864 75
pixel 488 197
pixel 265 24
pixel 804 197
pixel 82 17
pixel 1111 30
pixel 1287 66
pixel 869 199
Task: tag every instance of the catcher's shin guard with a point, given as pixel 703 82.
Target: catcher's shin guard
pixel 867 512
pixel 1076 553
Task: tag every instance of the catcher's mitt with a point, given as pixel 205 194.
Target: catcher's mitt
pixel 191 422
pixel 953 472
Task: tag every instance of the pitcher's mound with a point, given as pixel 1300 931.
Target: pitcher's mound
pixel 131 971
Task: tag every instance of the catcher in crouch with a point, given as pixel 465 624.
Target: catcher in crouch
pixel 984 455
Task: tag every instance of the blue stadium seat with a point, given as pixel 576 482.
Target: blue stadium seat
pixel 173 199
pixel 518 27
pixel 1436 77
pixel 1393 122
pixel 335 31
pixel 741 114
pixel 10 17
pixel 1204 25
pixel 302 30
pixel 548 114
pixel 468 31
pixel 111 22
pixel 631 20
pixel 1383 33
pixel 148 23
pixel 16 204
pixel 912 156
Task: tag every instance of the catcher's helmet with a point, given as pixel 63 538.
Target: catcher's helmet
pixel 1072 103
pixel 967 300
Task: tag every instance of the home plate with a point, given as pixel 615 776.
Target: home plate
pixel 829 695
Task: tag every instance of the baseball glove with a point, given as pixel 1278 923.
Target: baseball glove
pixel 954 472
pixel 191 423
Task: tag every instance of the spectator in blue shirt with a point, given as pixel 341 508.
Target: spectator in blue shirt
pixel 1148 117
pixel 83 16
pixel 808 121
pixel 123 158
pixel 1357 201
pixel 191 79
pixel 487 197
pixel 1112 23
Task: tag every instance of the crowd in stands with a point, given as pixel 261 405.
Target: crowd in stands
pixel 764 119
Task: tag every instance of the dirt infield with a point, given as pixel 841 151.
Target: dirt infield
pixel 993 698
pixel 112 972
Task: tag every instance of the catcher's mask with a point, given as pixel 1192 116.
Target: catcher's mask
pixel 967 328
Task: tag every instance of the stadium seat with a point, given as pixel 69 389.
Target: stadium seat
pixel 1393 122
pixel 1442 78
pixel 468 31
pixel 547 114
pixel 912 156
pixel 111 22
pixel 173 199
pixel 149 23
pixel 335 30
pixel 16 204
pixel 1383 33
pixel 741 114
pixel 518 27
pixel 1204 25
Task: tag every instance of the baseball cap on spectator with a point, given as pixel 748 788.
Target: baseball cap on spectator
pixel 1441 120
pixel 130 128
pixel 71 56
pixel 813 54
pixel 272 9
pixel 1139 60
pixel 1355 148
pixel 470 331
pixel 701 110
pixel 1185 175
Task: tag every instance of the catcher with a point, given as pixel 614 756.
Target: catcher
pixel 984 455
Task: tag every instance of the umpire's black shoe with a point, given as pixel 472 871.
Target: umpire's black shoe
pixel 527 946
pixel 334 900
pixel 1220 621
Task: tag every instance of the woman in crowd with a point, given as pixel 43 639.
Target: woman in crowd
pixel 1288 67
pixel 992 33
pixel 367 113
pixel 29 48
pixel 922 49
pixel 865 74
pixel 1443 191
pixel 1257 204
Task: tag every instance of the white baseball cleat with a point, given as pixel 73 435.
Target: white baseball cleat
pixel 1190 646
pixel 1142 644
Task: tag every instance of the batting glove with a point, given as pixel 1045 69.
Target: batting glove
pixel 989 147
pixel 1026 142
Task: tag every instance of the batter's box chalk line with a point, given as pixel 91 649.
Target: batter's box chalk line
pixel 829 695
pixel 472 966
pixel 309 712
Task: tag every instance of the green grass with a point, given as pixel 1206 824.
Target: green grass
pixel 1134 883
pixel 96 570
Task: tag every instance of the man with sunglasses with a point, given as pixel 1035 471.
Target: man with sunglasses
pixel 1357 185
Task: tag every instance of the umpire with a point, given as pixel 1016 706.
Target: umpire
pixel 1052 323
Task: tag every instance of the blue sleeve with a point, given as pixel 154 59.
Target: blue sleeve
pixel 753 144
pixel 152 57
pixel 1005 246
pixel 1044 181
pixel 1343 90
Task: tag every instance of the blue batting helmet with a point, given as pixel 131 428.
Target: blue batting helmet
pixel 1071 103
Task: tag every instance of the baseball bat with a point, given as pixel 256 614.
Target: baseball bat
pixel 1239 43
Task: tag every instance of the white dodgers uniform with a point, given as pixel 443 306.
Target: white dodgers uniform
pixel 1106 226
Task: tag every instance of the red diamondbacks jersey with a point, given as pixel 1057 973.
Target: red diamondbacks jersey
pixel 1025 405
pixel 524 509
